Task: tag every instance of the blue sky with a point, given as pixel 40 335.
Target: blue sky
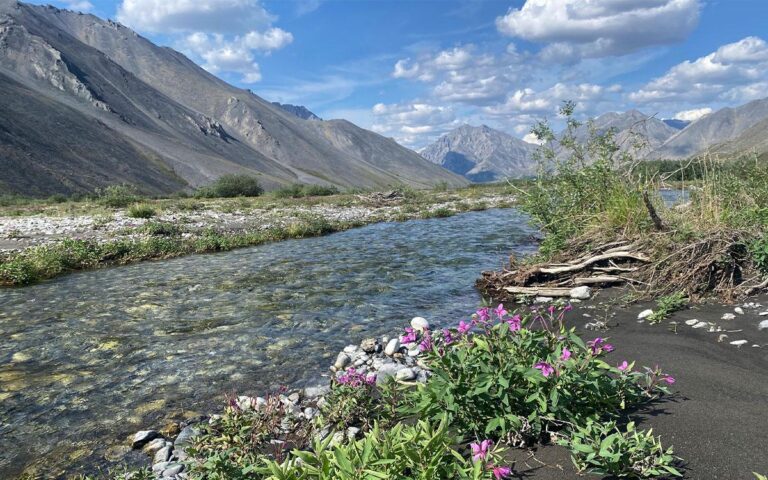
pixel 414 69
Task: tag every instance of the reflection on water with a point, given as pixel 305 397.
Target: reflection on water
pixel 89 358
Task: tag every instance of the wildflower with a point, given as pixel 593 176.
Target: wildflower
pixel 481 450
pixel 546 369
pixel 669 379
pixel 501 472
pixel 499 311
pixel 608 348
pixel 448 336
pixel 484 314
pixel 596 346
pixel 410 336
pixel 464 327
pixel 370 379
pixel 551 309
pixel 426 342
pixel 623 367
pixel 566 354
pixel 568 308
pixel 515 323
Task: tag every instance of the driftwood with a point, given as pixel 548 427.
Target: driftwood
pixel 655 218
pixel 597 258
pixel 539 291
pixel 598 280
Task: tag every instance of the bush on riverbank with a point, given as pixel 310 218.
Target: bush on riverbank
pixel 230 186
pixel 593 193
pixel 500 380
pixel 299 190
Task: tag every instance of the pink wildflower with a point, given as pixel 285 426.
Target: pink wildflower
pixel 499 311
pixel 464 327
pixel 669 379
pixel 410 336
pixel 484 314
pixel 546 369
pixel 566 354
pixel 515 323
pixel 623 367
pixel 481 450
pixel 500 473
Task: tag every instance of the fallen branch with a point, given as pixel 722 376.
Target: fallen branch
pixel 598 280
pixel 595 259
pixel 539 291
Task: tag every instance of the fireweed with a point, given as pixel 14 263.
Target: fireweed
pixel 523 377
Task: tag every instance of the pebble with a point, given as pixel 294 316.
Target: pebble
pixel 419 324
pixel 316 391
pixel 352 433
pixel 644 314
pixel 172 470
pixel 543 300
pixel 739 343
pixel 728 316
pixel 342 361
pixel 763 325
pixel 691 322
pixel 162 455
pixel 152 447
pixel 762 314
pixel 368 345
pixel 144 437
pixel 581 293
pixel 392 347
pixel 414 352
pixel 701 325
pixel 350 349
pixel 405 374
pixel 739 310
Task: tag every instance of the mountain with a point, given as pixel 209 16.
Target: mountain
pixel 716 128
pixel 676 123
pixel 88 102
pixel 482 154
pixel 634 131
pixel 298 110
pixel 752 140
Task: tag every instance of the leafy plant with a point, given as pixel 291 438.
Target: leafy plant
pixel 117 196
pixel 759 251
pixel 161 229
pixel 421 451
pixel 666 305
pixel 232 185
pixel 517 383
pixel 605 449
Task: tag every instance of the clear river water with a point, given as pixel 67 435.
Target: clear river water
pixel 89 358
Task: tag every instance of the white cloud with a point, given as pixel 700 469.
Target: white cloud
pixel 692 115
pixel 403 70
pixel 225 35
pixel 734 72
pixel 596 28
pixel 78 5
pixel 411 123
pixel 530 102
pixel 532 138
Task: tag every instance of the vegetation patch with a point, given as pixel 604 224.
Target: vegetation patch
pixel 232 185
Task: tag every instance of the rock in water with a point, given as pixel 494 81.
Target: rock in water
pixel 419 324
pixel 581 293
pixel 144 437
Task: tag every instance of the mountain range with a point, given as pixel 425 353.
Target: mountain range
pixel 483 154
pixel 88 102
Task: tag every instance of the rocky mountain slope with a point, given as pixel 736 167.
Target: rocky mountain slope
pixel 482 154
pixel 298 110
pixel 634 131
pixel 99 104
pixel 752 140
pixel 724 125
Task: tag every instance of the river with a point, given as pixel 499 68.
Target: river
pixel 89 358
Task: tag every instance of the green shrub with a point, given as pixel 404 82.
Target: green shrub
pixel 232 185
pixel 141 210
pixel 298 190
pixel 117 196
pixel 421 451
pixel 439 212
pixel 667 305
pixel 161 229
pixel 605 449
pixel 517 383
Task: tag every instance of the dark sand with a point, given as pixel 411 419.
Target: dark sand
pixel 717 417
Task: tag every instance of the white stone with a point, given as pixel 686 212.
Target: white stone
pixel 406 374
pixel 543 299
pixel 143 437
pixel 701 325
pixel 739 310
pixel 342 361
pixel 739 343
pixel 763 325
pixel 728 316
pixel 162 455
pixel 392 347
pixel 581 293
pixel 644 314
pixel 419 324
pixel 691 322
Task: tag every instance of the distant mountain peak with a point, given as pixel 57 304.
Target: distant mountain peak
pixel 298 110
pixel 482 154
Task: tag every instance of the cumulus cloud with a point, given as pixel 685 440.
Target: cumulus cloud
pixel 546 102
pixel 226 35
pixel 79 5
pixel 597 28
pixel 692 115
pixel 734 72
pixel 411 123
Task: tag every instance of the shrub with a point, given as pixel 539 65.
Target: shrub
pixel 421 451
pixel 141 210
pixel 440 212
pixel 520 384
pixel 232 185
pixel 117 196
pixel 161 229
pixel 298 190
pixel 605 449
pixel 667 305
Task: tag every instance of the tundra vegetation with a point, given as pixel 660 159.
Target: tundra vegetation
pixel 500 380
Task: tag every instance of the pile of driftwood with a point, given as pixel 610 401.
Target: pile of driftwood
pixel 609 265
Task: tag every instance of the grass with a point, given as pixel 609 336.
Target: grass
pixel 141 210
pixel 667 305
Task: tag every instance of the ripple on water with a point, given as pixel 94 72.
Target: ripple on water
pixel 89 358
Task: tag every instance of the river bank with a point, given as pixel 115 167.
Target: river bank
pixel 38 243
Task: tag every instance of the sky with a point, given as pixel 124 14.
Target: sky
pixel 415 69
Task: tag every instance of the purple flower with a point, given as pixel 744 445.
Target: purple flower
pixel 596 345
pixel 608 348
pixel 568 308
pixel 566 354
pixel 426 342
pixel 481 450
pixel 623 367
pixel 371 379
pixel 353 378
pixel 464 327
pixel 499 311
pixel 546 369
pixel 551 309
pixel 484 314
pixel 410 336
pixel 669 379
pixel 500 473
pixel 515 323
